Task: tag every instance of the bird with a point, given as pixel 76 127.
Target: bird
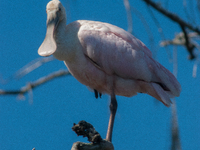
pixel 107 59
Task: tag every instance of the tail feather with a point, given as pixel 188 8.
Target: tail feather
pixel 165 77
pixel 164 97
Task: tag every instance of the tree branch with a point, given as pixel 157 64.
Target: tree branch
pixel 32 66
pixel 179 39
pixel 103 145
pixel 184 39
pixel 176 144
pixel 190 47
pixel 172 16
pixel 129 16
pixel 36 83
pixel 87 130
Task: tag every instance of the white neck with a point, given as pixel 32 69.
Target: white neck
pixel 66 40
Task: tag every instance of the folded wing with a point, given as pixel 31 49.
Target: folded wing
pixel 118 52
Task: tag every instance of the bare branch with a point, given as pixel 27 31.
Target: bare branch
pixel 147 28
pixel 172 16
pixel 176 144
pixel 30 86
pixel 196 63
pixel 184 39
pixel 160 30
pixel 87 130
pixel 129 16
pixel 190 47
pixel 194 72
pixel 104 145
pixel 175 62
pixel 179 39
pixel 198 4
pixel 32 66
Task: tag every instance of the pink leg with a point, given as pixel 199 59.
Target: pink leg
pixel 113 109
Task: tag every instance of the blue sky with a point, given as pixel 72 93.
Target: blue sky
pixel 141 121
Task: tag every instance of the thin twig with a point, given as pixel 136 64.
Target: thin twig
pixel 160 30
pixel 184 39
pixel 188 16
pixel 32 85
pixel 147 28
pixel 180 39
pixel 129 16
pixel 32 66
pixel 198 4
pixel 196 63
pixel 176 144
pixel 175 62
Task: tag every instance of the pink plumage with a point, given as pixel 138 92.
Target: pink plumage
pixel 106 58
pixel 116 59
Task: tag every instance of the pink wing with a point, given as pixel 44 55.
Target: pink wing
pixel 118 52
pixel 114 50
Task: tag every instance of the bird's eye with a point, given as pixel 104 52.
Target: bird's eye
pixel 59 9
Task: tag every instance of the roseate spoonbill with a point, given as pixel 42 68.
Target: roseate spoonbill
pixel 107 59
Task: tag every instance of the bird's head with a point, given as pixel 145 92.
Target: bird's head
pixel 55 14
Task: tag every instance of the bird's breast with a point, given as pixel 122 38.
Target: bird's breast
pixel 90 75
pixel 95 78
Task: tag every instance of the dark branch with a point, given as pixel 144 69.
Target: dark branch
pixel 190 47
pixel 87 130
pixel 172 16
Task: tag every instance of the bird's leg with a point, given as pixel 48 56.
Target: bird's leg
pixel 113 109
pixel 96 93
